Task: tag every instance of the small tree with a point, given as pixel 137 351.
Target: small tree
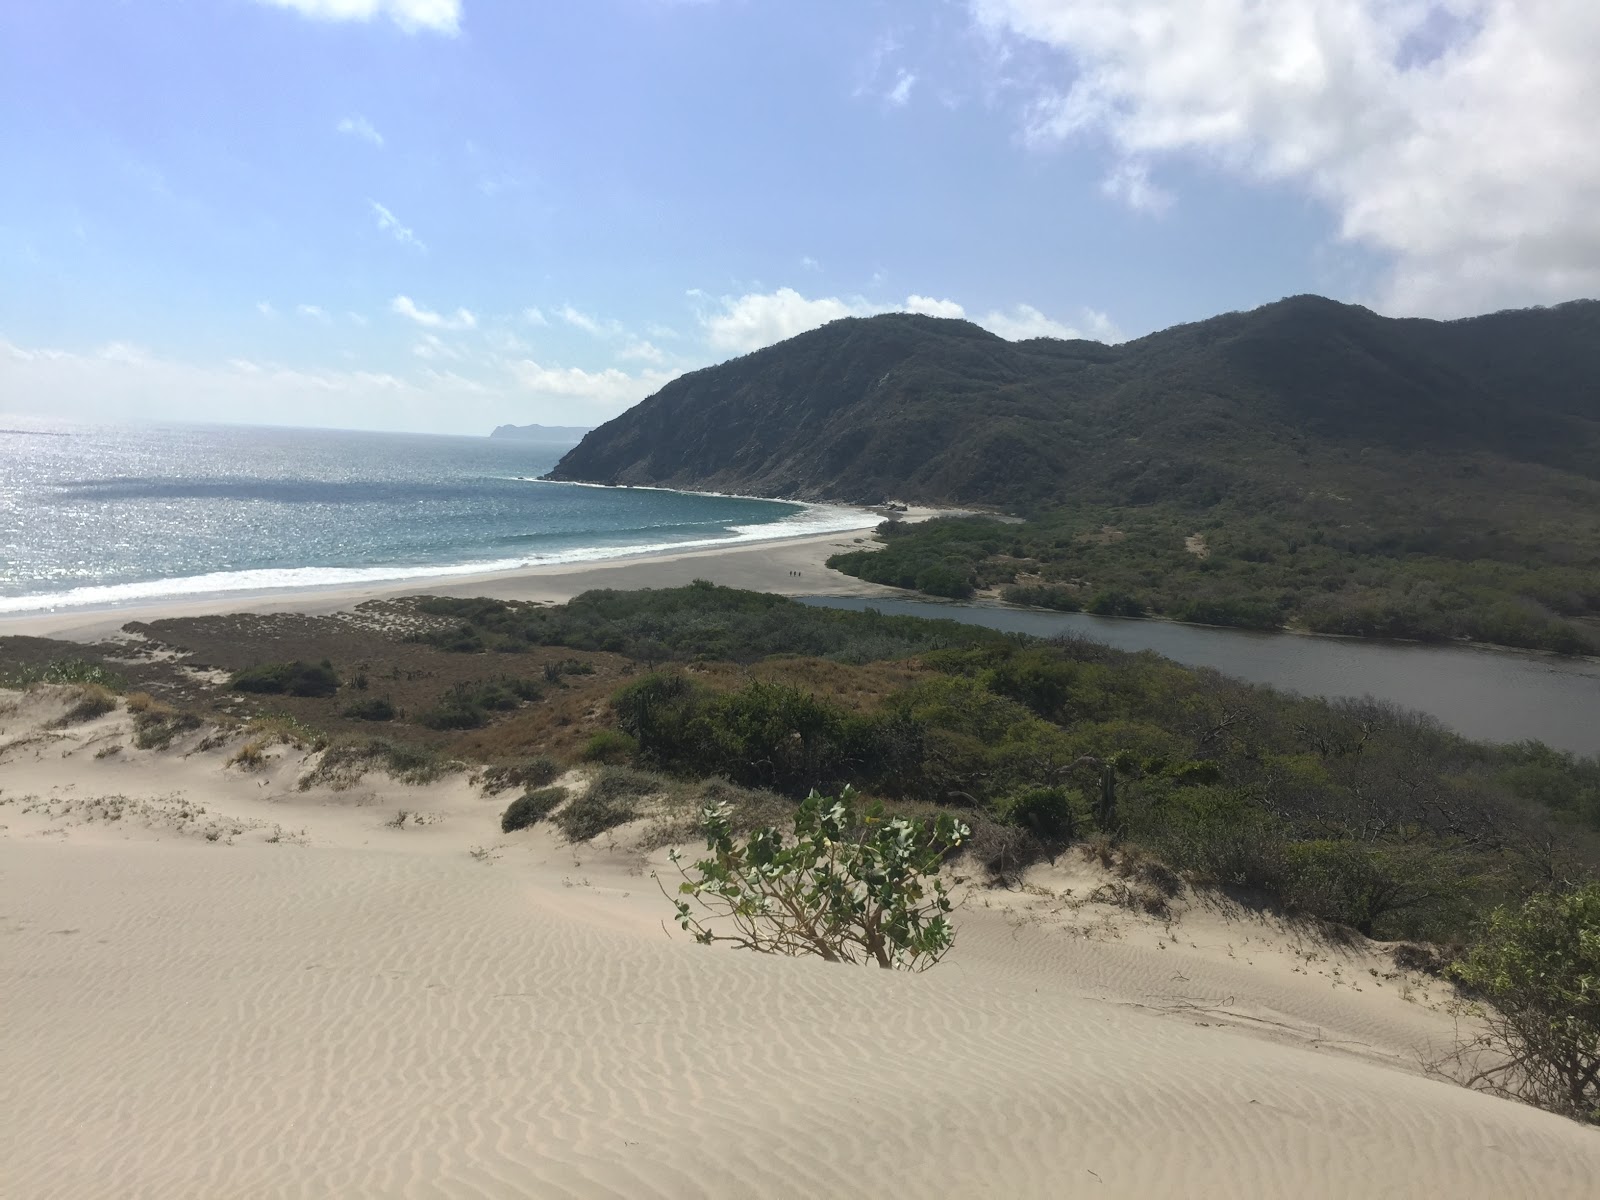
pixel 852 886
pixel 1539 966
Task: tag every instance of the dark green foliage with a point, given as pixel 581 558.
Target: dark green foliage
pixel 1539 966
pixel 1349 472
pixel 291 679
pixel 703 621
pixel 531 807
pixel 470 705
pixel 554 671
pixel 1041 596
pixel 1113 603
pixel 610 746
pixel 611 799
pixel 762 736
pixel 852 885
pixel 371 708
pixel 1053 815
pixel 64 670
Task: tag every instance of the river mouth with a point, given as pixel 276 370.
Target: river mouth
pixel 1486 694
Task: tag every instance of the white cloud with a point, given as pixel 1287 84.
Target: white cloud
pixel 593 326
pixel 434 347
pixel 265 308
pixel 760 319
pixel 642 351
pixel 610 390
pixel 1454 136
pixel 1129 182
pixel 929 307
pixel 312 311
pixel 435 16
pixel 121 380
pixel 1024 321
pixel 534 317
pixel 390 224
pixel 359 126
pixel 810 263
pixel 406 307
pixel 745 323
pixel 900 93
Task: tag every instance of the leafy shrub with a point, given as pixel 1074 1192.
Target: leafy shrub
pixel 291 678
pixel 1113 603
pixel 65 670
pixel 553 671
pixel 468 705
pixel 373 708
pixel 1053 815
pixel 1539 966
pixel 609 746
pixel 852 886
pixel 611 799
pixel 530 808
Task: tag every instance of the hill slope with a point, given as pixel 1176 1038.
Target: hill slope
pixel 1309 464
pixel 941 411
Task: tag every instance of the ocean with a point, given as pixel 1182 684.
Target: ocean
pixel 102 516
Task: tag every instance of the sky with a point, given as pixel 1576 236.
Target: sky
pixel 444 215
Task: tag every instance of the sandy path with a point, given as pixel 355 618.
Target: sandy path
pixel 361 1010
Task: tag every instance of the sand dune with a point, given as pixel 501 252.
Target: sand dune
pixel 289 994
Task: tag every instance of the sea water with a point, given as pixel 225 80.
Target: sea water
pixel 107 515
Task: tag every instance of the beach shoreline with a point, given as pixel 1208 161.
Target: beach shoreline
pixel 789 566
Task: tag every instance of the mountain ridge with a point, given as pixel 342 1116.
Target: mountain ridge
pixel 865 408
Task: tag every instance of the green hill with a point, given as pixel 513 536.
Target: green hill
pixel 1462 454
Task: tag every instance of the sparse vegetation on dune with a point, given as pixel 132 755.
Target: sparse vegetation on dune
pixel 702 697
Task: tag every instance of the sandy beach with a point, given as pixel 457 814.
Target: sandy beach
pixel 787 566
pixel 217 983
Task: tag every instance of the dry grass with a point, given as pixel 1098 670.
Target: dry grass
pixel 86 702
pixel 251 756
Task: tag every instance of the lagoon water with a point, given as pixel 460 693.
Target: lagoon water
pixel 1494 695
pixel 106 515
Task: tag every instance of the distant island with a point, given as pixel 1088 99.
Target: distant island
pixel 560 435
pixel 1308 464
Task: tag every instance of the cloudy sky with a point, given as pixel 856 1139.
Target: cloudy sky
pixel 441 215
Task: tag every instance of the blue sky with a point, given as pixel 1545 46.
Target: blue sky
pixel 445 214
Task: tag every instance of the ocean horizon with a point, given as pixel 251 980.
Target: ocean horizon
pixel 108 515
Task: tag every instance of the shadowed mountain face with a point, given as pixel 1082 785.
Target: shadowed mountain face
pixel 1296 401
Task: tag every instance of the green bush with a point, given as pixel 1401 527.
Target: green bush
pixel 609 746
pixel 65 670
pixel 530 808
pixel 851 886
pixel 611 799
pixel 373 708
pixel 291 678
pixel 1113 603
pixel 1539 966
pixel 1053 815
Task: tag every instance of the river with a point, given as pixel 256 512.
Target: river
pixel 1493 695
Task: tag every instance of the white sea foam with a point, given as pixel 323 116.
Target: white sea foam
pixel 813 519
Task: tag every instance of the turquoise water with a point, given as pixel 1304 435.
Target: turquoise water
pixel 106 515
